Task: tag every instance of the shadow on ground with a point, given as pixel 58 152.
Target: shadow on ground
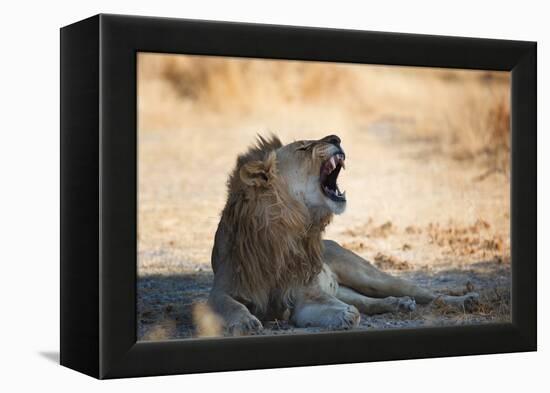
pixel 52 356
pixel 165 302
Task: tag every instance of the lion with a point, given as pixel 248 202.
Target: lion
pixel 270 260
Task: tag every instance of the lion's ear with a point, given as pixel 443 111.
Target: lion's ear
pixel 259 173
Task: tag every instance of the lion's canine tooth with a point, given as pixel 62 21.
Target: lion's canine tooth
pixel 340 158
pixel 332 163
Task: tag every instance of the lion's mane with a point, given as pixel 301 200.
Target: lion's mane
pixel 273 244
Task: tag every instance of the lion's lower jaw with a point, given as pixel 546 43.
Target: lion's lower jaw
pixel 336 207
pixel 321 216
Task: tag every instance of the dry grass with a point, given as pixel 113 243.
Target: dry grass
pixel 466 112
pixel 160 331
pixel 426 179
pixel 494 304
pixel 207 322
pixel 388 262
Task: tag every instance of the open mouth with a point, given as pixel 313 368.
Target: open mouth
pixel 329 175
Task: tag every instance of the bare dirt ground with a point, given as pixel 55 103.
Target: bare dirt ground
pixel 415 208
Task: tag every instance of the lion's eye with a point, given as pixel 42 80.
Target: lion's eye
pixel 304 147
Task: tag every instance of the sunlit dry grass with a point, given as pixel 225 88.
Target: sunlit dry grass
pixel 197 113
pixel 207 322
pixel 466 112
pixel 427 175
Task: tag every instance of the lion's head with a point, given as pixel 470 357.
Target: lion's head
pixel 311 169
pixel 280 198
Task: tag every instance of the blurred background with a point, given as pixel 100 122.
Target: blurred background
pixel 427 175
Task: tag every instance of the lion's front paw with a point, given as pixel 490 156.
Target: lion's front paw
pixel 347 318
pixel 244 325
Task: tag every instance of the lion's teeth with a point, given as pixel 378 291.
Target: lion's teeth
pixel 332 163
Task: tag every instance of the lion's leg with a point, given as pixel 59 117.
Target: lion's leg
pixel 355 272
pixel 371 306
pixel 315 308
pixel 238 319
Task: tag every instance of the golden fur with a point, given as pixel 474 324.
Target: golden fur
pixel 269 255
pixel 274 243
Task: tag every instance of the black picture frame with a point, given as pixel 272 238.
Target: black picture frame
pixel 99 185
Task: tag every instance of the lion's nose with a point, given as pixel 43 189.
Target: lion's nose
pixel 333 139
